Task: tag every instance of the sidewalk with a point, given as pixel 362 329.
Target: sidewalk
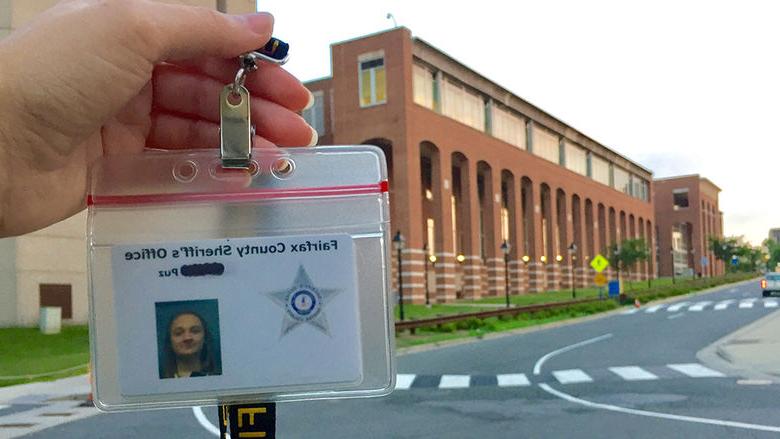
pixel 37 393
pixel 752 351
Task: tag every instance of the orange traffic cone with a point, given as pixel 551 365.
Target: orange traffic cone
pixel 637 303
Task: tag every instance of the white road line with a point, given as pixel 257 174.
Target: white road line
pixel 454 381
pixel 747 303
pixel 630 311
pixel 204 422
pixel 674 316
pixel 403 381
pixel 3 407
pixel 654 308
pixel 540 362
pixel 723 304
pixel 677 306
pixel 695 370
pixel 572 376
pixel 633 373
pixel 770 304
pixel 512 379
pixel 673 417
pixel 699 306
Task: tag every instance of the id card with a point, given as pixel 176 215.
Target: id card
pixel 211 286
pixel 236 313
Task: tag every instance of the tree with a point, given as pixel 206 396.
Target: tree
pixel 773 251
pixel 724 249
pixel 627 254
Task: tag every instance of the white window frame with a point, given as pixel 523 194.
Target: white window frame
pixel 371 56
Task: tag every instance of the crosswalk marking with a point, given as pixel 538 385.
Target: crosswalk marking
pixel 654 308
pixel 695 370
pixel 770 304
pixel 746 303
pixel 677 306
pixel 512 379
pixel 571 376
pixel 723 304
pixel 633 373
pixel 630 311
pixel 404 381
pixel 454 381
pixel 699 306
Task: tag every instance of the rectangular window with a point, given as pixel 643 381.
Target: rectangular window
pixel 462 105
pixel 508 127
pixel 576 159
pixel 431 236
pixel 372 80
pixel 600 169
pixel 546 144
pixel 315 116
pixel 639 188
pixel 622 180
pixel 422 86
pixel 680 197
pixel 57 295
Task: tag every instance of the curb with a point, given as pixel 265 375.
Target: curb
pixel 566 322
pixel 714 355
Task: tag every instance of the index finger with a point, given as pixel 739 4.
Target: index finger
pixel 269 81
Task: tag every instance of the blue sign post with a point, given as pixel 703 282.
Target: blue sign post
pixel 734 260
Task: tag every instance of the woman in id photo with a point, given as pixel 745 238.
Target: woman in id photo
pixel 189 346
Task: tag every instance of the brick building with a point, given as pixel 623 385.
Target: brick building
pixel 687 214
pixel 49 267
pixel 473 166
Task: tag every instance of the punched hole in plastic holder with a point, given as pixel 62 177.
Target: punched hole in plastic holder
pixel 185 171
pixel 282 168
pixel 220 173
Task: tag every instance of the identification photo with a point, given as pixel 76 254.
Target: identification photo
pixel 188 342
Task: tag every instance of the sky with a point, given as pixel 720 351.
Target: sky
pixel 681 87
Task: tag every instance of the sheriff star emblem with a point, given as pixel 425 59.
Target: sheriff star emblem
pixel 303 303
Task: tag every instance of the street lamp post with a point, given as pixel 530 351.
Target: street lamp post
pixel 398 240
pixel 431 258
pixel 572 249
pixel 427 288
pixel 505 247
pixel 461 258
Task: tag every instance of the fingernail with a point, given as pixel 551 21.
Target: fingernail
pixel 314 137
pixel 261 23
pixel 311 101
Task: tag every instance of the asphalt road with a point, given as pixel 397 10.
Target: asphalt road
pixel 627 375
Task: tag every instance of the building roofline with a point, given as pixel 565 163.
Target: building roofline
pixel 677 177
pixel 524 101
pixel 701 180
pixel 361 37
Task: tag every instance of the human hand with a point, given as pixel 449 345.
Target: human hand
pixel 94 77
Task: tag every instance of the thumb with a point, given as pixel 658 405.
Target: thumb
pixel 189 32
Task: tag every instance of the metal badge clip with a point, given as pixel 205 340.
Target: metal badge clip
pixel 236 130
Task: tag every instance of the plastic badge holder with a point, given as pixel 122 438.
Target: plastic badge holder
pixel 217 286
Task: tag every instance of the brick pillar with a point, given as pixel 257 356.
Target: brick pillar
pixel 472 266
pixel 496 272
pixel 536 270
pixel 445 265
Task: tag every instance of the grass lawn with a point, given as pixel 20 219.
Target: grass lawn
pixel 462 306
pixel 25 351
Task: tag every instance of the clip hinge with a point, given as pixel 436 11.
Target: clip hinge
pixel 236 129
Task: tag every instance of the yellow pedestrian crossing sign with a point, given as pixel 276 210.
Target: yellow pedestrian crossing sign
pixel 600 279
pixel 599 263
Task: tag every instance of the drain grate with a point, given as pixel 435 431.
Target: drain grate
pixel 55 414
